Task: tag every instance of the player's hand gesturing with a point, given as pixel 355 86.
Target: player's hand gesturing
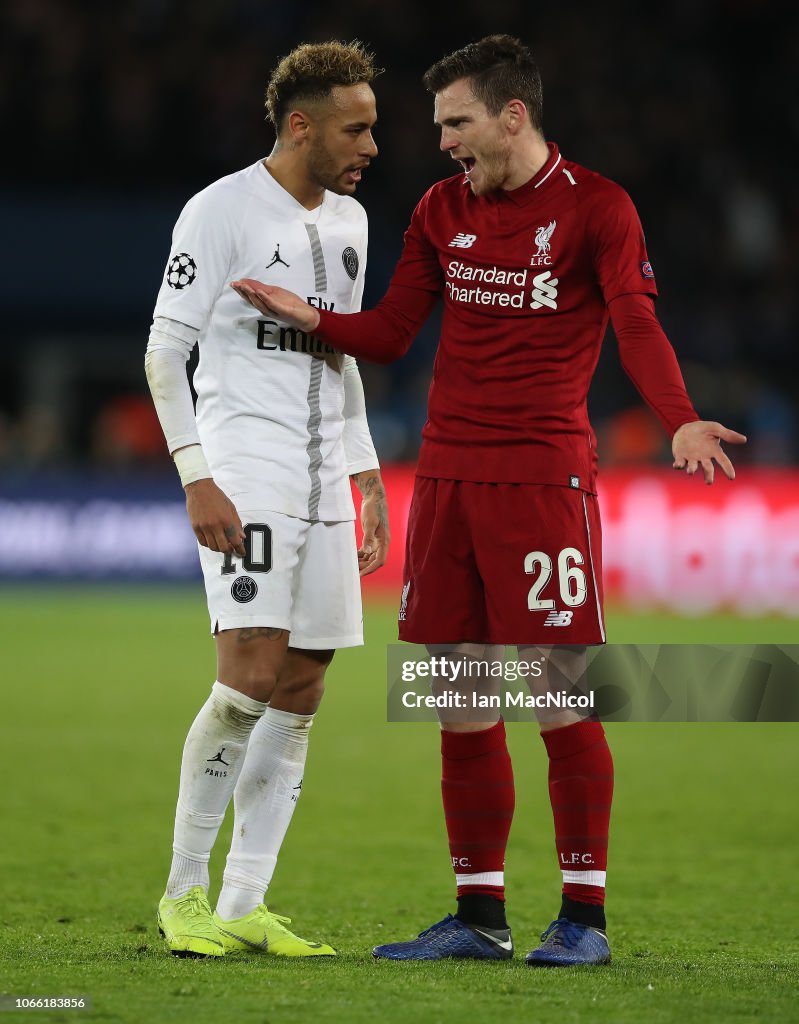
pixel 699 443
pixel 214 518
pixel 373 551
pixel 279 302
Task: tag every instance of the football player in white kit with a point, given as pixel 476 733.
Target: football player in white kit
pixel 280 426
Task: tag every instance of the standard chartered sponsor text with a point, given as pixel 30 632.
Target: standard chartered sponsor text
pixel 493 275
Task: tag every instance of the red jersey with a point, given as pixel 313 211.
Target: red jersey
pixel 526 277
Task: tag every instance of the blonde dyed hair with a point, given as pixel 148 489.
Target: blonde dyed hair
pixel 309 73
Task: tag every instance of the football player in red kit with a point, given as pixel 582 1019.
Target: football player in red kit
pixel 532 254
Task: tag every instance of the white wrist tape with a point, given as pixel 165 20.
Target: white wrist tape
pixel 191 465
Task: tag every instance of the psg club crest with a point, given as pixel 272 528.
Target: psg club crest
pixel 181 272
pixel 244 589
pixel 350 260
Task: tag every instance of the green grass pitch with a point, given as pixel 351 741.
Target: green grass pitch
pixel 99 689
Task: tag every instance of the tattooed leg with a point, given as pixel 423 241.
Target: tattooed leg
pixel 250 659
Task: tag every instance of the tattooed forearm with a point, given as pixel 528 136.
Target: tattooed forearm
pixel 259 633
pixel 381 506
pixel 370 484
pixel 367 482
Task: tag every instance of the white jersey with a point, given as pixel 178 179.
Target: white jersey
pixel 269 397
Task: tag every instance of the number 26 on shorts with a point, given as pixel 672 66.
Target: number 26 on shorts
pixel 571 579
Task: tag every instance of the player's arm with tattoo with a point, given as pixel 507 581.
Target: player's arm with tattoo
pixel 374 519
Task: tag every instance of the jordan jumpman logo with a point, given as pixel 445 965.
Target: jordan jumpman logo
pixel 277 258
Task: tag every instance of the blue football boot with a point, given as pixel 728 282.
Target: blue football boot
pixel 451 939
pixel 567 944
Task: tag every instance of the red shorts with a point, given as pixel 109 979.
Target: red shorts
pixel 502 564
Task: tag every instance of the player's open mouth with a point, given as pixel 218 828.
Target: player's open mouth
pixel 354 173
pixel 467 164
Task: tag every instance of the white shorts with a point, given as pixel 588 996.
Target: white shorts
pixel 298 575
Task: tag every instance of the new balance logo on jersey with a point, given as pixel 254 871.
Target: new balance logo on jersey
pixel 559 619
pixel 545 291
pixel 277 258
pixel 461 241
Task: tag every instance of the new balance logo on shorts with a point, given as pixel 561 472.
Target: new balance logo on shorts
pixel 559 619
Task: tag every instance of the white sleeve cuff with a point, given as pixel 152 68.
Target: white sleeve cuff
pixel 168 349
pixel 359 448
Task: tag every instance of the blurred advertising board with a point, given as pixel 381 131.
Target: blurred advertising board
pixel 669 542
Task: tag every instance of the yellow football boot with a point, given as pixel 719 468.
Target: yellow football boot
pixel 188 925
pixel 261 931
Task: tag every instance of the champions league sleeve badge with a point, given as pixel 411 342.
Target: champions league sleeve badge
pixel 181 272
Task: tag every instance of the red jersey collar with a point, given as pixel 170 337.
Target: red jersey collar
pixel 527 192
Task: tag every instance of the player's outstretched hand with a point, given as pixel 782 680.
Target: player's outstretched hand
pixel 214 518
pixel 699 443
pixel 279 302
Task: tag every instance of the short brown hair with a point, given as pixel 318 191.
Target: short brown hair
pixel 310 72
pixel 499 68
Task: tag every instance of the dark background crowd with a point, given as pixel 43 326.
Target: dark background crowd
pixel 113 115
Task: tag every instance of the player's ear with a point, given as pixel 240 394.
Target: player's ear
pixel 297 126
pixel 514 115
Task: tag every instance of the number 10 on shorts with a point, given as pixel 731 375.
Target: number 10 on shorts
pixel 258 548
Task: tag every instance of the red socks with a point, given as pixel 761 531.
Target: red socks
pixel 479 798
pixel 581 790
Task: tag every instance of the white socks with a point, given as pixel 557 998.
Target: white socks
pixel 212 760
pixel 264 800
